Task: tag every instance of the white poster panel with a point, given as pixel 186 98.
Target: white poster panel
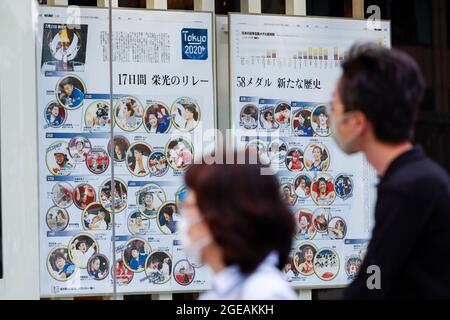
pixel 283 72
pixel 163 98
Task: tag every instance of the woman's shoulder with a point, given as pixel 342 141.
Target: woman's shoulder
pixel 267 284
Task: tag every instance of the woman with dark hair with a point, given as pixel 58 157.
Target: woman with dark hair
pixel 304 124
pixel 119 151
pixel 140 161
pixel 62 266
pixel 157 119
pixel 306 265
pixel 167 221
pixel 317 164
pixel 305 226
pixel 129 117
pixel 324 192
pixel 338 232
pixel 235 221
pixel 268 121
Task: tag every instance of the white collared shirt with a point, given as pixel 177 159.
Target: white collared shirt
pixel 265 283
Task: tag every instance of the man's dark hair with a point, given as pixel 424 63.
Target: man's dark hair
pixel 387 86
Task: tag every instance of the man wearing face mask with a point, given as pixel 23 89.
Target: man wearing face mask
pixel 373 111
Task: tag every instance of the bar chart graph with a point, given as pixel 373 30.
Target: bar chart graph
pixel 280 48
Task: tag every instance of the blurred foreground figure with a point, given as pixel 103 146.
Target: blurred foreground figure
pixel 373 111
pixel 234 220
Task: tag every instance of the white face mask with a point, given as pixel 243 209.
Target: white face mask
pixel 346 145
pixel 193 250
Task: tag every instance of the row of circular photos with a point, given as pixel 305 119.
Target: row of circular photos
pixel 64 263
pixel 320 223
pixel 140 158
pixel 96 218
pixel 315 158
pixel 149 198
pixel 129 113
pixel 322 189
pixel 310 260
pixel 305 122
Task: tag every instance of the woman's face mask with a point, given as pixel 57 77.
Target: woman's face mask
pixel 346 144
pixel 193 249
pixel 346 132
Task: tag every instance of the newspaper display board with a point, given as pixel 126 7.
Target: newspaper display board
pixel 282 74
pixel 163 97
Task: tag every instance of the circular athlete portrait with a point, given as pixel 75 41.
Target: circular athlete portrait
pixel 149 199
pixel 277 151
pixel 321 218
pixel 121 274
pixel 70 91
pixel 128 113
pixel 84 194
pixel 119 150
pixel 55 115
pixel 287 194
pixel 343 185
pixel 185 114
pixel 97 116
pixel 283 114
pixel 322 190
pixel 97 161
pixel 95 217
pixel 62 194
pixel 57 219
pixel 184 272
pixel 157 164
pixel 249 117
pixel 137 159
pixel 158 267
pixel 179 153
pixel 267 119
pixel 294 159
pixel 138 224
pixel 305 226
pixel 58 159
pixel 119 193
pixel 168 217
pixel 352 266
pixel 337 228
pixel 304 258
pixel 98 267
pixel 301 123
pixel 317 157
pixel 321 121
pixel 157 118
pixel 79 147
pixel 326 264
pixel 135 254
pixel 81 248
pixel 302 186
pixel 59 265
pixel 180 195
